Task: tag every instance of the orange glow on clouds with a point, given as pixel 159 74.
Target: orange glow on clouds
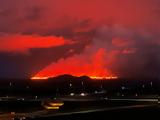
pixel 21 43
pixel 91 65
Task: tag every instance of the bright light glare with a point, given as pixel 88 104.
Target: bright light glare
pixel 71 94
pixel 82 94
pixel 56 104
pixel 51 108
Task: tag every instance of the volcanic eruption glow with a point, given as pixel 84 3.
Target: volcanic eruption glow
pixel 91 65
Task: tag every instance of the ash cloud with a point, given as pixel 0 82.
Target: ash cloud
pixel 127 53
pixel 130 53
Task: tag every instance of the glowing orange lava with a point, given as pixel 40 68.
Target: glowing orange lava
pixel 108 77
pixel 39 78
pixel 92 77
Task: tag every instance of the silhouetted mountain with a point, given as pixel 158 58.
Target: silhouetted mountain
pixel 69 77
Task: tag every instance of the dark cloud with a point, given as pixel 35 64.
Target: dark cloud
pixel 34 13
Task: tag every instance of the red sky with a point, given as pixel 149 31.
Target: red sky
pixel 57 33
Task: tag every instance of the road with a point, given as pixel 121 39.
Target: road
pixel 140 100
pixel 118 104
pixel 98 110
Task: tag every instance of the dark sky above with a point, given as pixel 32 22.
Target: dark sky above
pixel 52 37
